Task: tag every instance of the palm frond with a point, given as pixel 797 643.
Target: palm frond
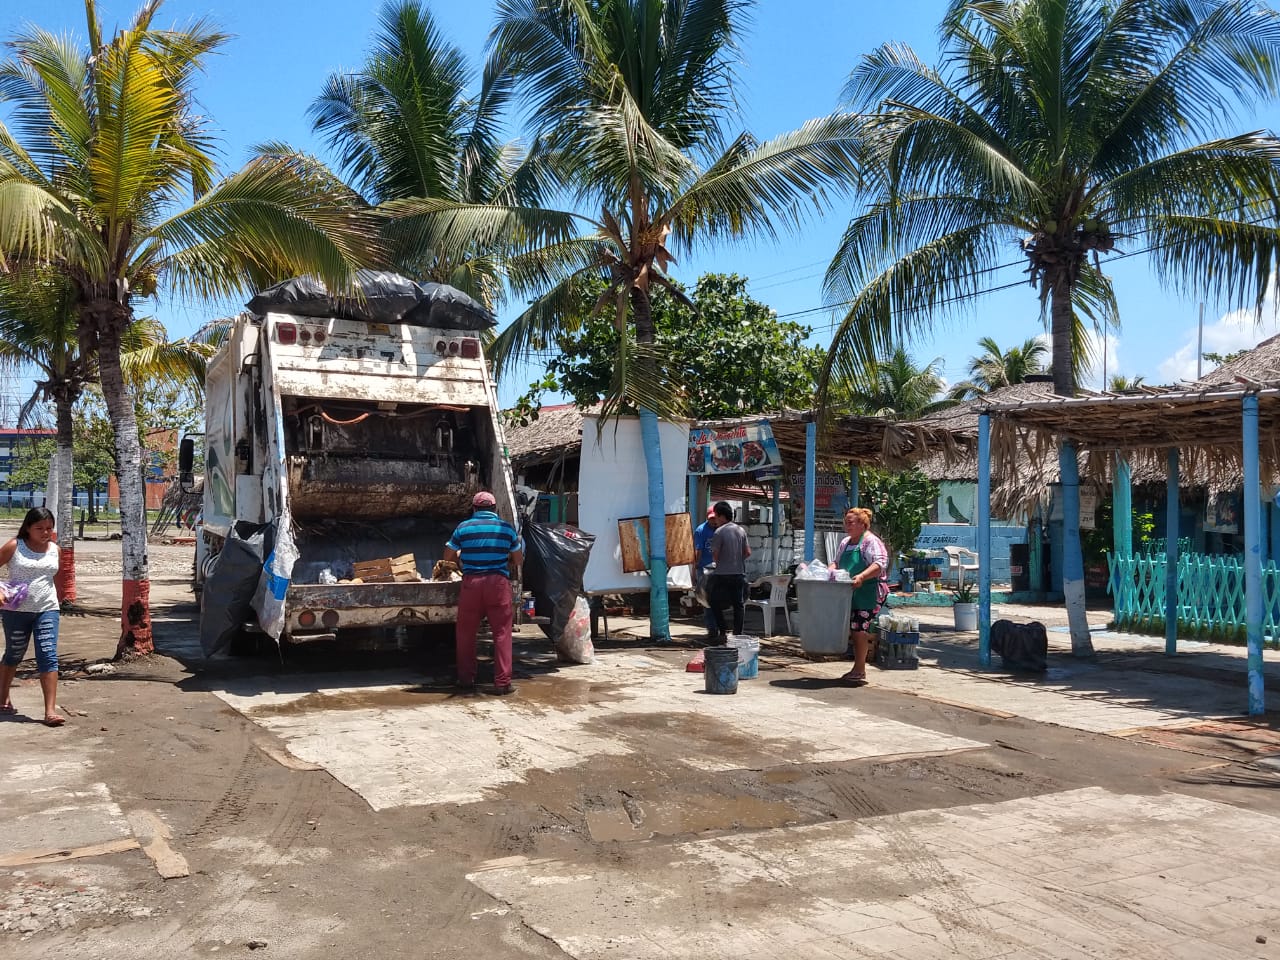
pixel 277 217
pixel 782 182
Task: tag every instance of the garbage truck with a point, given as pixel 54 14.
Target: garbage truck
pixel 345 436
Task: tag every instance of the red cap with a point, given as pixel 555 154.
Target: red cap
pixel 484 499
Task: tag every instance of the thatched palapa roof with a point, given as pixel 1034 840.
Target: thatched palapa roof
pixel 557 431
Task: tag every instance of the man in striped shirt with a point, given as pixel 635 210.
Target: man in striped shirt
pixel 489 550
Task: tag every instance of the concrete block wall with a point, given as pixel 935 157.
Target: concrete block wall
pixel 760 540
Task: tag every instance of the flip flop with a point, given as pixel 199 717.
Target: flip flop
pixel 8 708
pixel 854 679
pixel 53 720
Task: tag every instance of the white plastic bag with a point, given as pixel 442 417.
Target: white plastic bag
pixel 575 644
pixel 268 601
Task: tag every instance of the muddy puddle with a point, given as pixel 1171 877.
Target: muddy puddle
pixel 643 819
pixel 548 694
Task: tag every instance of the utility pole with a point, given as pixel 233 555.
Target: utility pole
pixel 1200 342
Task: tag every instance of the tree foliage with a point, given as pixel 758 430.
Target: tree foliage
pixel 891 386
pixel 729 352
pixel 899 502
pixel 996 367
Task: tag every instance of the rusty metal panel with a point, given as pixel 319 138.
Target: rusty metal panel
pixel 352 488
pixel 633 536
pixel 377 362
pixel 404 388
pixel 377 604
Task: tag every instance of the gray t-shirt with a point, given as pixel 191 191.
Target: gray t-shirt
pixel 729 545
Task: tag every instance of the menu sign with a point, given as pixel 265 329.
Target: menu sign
pixel 743 448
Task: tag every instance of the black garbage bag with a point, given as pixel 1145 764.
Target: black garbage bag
pixel 449 308
pixel 226 602
pixel 386 298
pixel 555 559
pixel 1023 647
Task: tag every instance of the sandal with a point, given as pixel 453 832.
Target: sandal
pixel 53 720
pixel 855 678
pixel 8 709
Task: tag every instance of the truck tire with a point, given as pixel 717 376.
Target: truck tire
pixel 245 644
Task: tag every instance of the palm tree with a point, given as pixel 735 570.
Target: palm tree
pixel 404 127
pixel 1062 130
pixel 107 178
pixel 632 100
pixel 893 387
pixel 995 368
pixel 38 333
pixel 1119 383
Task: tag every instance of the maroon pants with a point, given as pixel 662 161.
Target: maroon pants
pixel 485 595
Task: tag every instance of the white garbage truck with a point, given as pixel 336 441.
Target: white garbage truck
pixel 353 433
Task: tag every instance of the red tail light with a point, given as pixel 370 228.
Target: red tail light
pixel 453 346
pixel 319 336
pixel 287 333
pixel 307 618
pixel 329 618
pixel 471 348
pixel 304 335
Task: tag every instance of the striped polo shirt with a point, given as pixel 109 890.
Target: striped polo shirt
pixel 485 543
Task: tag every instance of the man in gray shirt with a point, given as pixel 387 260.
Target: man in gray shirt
pixel 727 585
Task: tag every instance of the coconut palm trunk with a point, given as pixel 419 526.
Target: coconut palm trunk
pixel 135 597
pixel 61 497
pixel 1062 325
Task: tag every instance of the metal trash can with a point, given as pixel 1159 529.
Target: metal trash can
pixel 824 607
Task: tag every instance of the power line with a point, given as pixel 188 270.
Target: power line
pixel 1008 286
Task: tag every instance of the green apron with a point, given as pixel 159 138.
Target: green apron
pixel 867 596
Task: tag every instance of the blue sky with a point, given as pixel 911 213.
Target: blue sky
pixel 795 59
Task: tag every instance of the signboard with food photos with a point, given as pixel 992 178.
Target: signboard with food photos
pixel 744 448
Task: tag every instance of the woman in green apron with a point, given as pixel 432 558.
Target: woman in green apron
pixel 863 555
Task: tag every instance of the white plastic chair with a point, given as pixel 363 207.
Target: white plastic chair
pixel 960 559
pixel 777 600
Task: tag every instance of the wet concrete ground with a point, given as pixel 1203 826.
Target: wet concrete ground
pixel 363 808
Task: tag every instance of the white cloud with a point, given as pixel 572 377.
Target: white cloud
pixel 1106 359
pixel 1238 330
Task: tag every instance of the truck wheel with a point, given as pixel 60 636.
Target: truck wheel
pixel 244 644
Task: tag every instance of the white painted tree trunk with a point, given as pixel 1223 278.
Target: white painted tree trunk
pixel 135 627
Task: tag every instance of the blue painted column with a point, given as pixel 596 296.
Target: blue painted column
pixel 810 484
pixel 984 539
pixel 696 509
pixel 659 611
pixel 1253 557
pixel 1171 557
pixel 853 485
pixel 1122 509
pixel 775 532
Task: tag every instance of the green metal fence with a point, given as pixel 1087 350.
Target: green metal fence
pixel 1211 602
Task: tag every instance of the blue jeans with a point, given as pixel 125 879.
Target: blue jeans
pixel 18 628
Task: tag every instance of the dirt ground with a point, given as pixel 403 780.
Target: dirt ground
pixel 284 855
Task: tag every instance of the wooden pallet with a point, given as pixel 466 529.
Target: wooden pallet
pixel 401 569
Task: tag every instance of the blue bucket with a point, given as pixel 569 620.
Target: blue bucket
pixel 720 672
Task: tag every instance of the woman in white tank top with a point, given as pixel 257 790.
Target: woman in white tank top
pixel 32 559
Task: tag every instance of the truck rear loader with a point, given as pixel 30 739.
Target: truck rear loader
pixel 358 441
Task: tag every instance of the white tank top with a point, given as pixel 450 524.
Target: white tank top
pixel 37 570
